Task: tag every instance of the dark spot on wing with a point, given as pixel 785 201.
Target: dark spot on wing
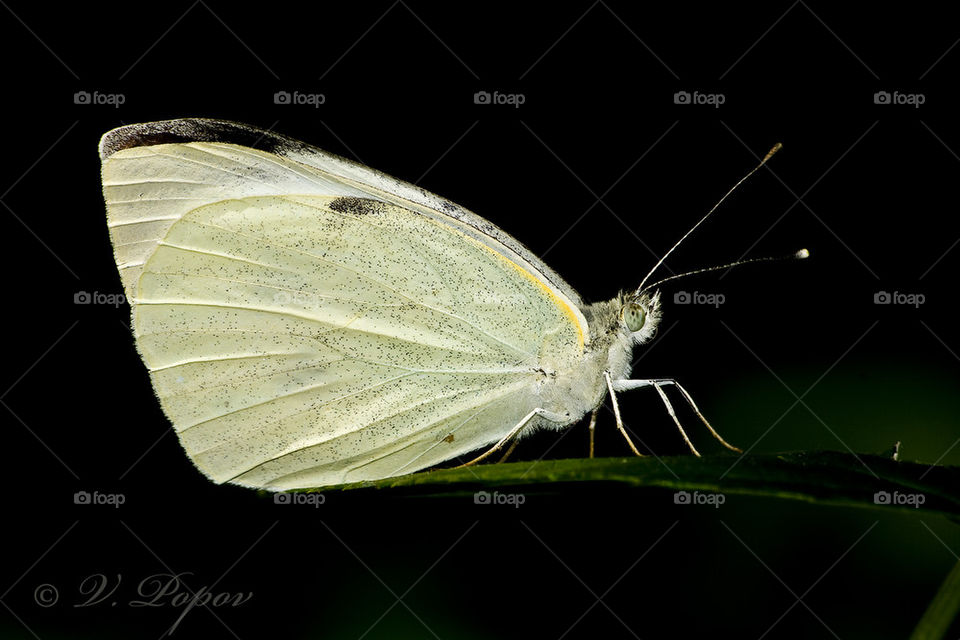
pixel 449 438
pixel 356 206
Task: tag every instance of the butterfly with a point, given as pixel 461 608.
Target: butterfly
pixel 308 321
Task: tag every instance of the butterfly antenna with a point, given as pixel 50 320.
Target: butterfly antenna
pixel 797 255
pixel 769 155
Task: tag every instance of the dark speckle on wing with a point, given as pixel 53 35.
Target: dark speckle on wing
pixel 356 206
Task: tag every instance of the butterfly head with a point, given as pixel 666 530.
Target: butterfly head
pixel 640 315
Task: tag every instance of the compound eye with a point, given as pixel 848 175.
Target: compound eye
pixel 634 316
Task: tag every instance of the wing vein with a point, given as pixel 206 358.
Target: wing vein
pixel 361 275
pixel 293 166
pixel 214 167
pixel 294 393
pixel 330 326
pixel 378 420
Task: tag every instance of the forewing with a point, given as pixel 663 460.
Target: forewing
pixel 191 161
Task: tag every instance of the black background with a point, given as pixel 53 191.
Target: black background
pixel 598 171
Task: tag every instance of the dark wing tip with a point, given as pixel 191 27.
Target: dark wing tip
pixel 193 130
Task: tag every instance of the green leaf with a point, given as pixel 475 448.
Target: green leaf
pixel 859 480
pixel 942 610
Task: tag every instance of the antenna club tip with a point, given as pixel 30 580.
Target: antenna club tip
pixel 803 253
pixel 772 151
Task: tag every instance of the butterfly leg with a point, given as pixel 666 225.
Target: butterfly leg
pixel 696 410
pixel 624 385
pixel 616 414
pixel 549 415
pixel 676 421
pixel 513 445
pixel 592 428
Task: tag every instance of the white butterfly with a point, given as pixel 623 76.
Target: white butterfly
pixel 308 321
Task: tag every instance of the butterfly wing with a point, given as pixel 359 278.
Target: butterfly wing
pixel 214 158
pixel 301 332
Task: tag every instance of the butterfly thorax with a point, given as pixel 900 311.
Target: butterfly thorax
pixel 582 387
